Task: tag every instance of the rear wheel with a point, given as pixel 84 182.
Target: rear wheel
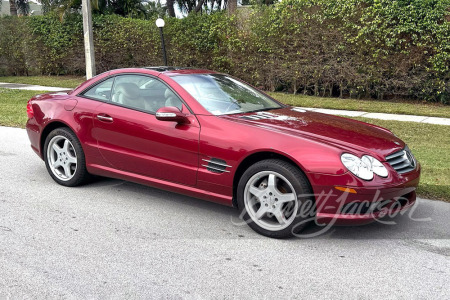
pixel 64 158
pixel 271 195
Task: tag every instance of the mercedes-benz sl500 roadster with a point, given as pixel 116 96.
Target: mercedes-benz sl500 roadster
pixel 212 136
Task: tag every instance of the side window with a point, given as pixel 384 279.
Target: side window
pixel 101 91
pixel 143 93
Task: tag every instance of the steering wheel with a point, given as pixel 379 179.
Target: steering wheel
pixel 102 94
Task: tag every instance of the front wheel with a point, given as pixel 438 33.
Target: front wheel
pixel 275 198
pixel 64 158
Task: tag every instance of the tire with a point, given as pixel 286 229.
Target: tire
pixel 275 198
pixel 64 158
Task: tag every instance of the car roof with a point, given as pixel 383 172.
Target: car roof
pixel 169 70
pixel 166 70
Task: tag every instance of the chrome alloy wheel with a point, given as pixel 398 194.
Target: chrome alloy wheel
pixel 62 158
pixel 270 200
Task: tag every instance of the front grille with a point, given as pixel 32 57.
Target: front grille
pixel 402 161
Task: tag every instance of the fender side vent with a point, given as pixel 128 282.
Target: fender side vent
pixel 216 165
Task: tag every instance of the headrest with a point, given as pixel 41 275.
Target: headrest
pixel 128 89
pixel 168 93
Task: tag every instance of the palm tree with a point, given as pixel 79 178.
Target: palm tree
pixel 127 8
pixel 170 8
pixel 188 6
pixel 155 9
pixel 231 6
pixel 63 7
pixel 21 6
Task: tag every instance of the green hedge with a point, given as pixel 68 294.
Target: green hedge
pixel 348 48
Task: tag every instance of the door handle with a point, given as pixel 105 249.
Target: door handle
pixel 105 118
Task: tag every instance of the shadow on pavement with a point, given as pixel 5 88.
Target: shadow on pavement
pixel 428 219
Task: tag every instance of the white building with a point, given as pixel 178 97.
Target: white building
pixel 35 7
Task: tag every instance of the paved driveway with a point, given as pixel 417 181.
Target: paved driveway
pixel 113 239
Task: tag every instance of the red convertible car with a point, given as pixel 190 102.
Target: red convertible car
pixel 211 136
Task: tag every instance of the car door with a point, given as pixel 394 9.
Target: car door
pixel 131 139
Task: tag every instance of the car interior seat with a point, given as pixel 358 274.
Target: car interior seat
pixel 127 93
pixel 154 98
pixel 172 100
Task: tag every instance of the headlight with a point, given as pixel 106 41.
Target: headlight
pixel 364 167
pixel 377 166
pixel 357 166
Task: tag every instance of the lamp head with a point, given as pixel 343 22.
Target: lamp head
pixel 160 22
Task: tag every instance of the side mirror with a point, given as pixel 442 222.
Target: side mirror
pixel 171 114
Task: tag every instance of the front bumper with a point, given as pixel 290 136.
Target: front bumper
pixel 363 202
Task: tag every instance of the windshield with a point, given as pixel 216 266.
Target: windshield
pixel 221 94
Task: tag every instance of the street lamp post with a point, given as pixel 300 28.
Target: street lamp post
pixel 160 23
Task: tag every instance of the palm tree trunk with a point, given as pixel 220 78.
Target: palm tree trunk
pixel 12 7
pixel 231 6
pixel 199 6
pixel 170 8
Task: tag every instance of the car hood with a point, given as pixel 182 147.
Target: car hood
pixel 345 133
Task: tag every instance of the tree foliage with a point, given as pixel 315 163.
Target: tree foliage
pixel 347 48
pixel 141 9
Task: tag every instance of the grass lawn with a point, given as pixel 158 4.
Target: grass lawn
pixel 404 108
pixel 429 143
pixel 409 108
pixel 58 81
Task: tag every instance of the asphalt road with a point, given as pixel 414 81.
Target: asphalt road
pixel 114 239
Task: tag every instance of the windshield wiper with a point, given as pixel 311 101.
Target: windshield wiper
pixel 235 101
pixel 262 109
